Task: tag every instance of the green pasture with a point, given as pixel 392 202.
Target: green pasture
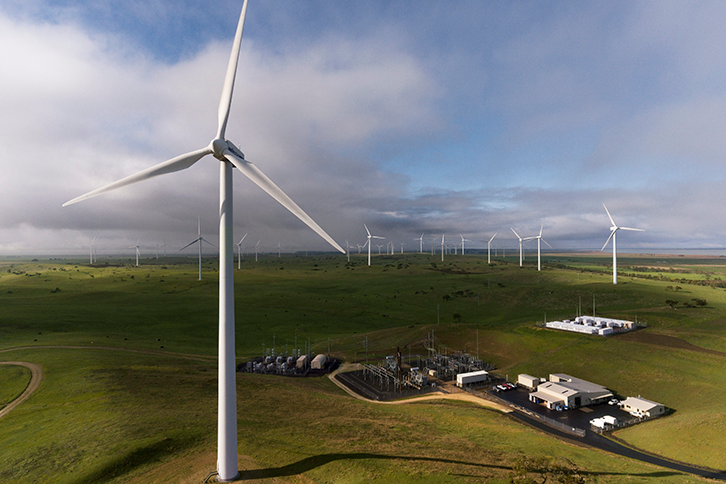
pixel 13 381
pixel 141 393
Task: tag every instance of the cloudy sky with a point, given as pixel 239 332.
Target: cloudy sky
pixel 466 117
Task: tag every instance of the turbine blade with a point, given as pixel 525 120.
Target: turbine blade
pixel 190 243
pixel 612 232
pixel 181 162
pixel 548 245
pixel 208 242
pixel 495 234
pixel 225 100
pixel 369 232
pixel 243 238
pixel 261 180
pixel 515 233
pixel 610 216
pixel 627 228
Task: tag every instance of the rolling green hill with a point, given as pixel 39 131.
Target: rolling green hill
pixel 129 389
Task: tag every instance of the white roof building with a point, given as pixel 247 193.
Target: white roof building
pixel 641 406
pixel 568 391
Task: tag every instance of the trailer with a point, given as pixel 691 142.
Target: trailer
pixel 472 377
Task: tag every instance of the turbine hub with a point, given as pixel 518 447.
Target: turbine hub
pixel 218 146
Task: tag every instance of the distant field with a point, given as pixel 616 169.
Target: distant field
pixel 120 415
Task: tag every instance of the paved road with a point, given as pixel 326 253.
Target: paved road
pixel 36 376
pixel 599 442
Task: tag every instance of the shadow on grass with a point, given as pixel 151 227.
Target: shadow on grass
pixel 123 464
pixel 310 463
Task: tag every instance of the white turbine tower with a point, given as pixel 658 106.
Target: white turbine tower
pixel 239 252
pixel 137 251
pixel 420 243
pixel 442 247
pixel 489 249
pixel 92 248
pixel 199 239
pixel 462 243
pixel 613 231
pixel 520 246
pixel 539 241
pixel 369 242
pixel 229 157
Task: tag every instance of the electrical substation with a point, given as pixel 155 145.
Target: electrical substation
pixel 399 375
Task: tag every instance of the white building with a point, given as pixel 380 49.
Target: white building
pixel 641 407
pixel 471 377
pixel 527 381
pixel 592 325
pixel 567 391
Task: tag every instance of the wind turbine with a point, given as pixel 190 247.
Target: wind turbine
pixel 257 246
pixel 230 157
pixel 402 244
pixel 520 246
pixel 462 243
pixel 239 252
pixel 539 240
pixel 199 239
pixel 420 243
pixel 442 247
pixel 369 242
pixel 92 248
pixel 613 231
pixel 489 249
pixel 379 248
pixel 137 251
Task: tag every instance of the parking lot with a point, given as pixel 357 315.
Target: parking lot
pixel 579 417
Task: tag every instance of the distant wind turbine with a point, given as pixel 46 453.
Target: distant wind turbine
pixel 520 246
pixel 92 249
pixel 239 252
pixel 369 242
pixel 539 240
pixel 442 247
pixel 229 157
pixel 462 243
pixel 199 240
pixel 613 235
pixel 137 251
pixel 420 243
pixel 489 249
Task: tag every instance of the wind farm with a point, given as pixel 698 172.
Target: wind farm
pixel 314 362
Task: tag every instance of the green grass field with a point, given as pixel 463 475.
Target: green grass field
pixel 138 402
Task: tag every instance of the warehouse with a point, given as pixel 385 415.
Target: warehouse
pixel 565 392
pixel 641 407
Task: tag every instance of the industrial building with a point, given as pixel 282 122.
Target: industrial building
pixel 593 325
pixel 641 407
pixel 565 391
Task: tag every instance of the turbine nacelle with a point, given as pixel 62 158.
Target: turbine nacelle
pixel 219 146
